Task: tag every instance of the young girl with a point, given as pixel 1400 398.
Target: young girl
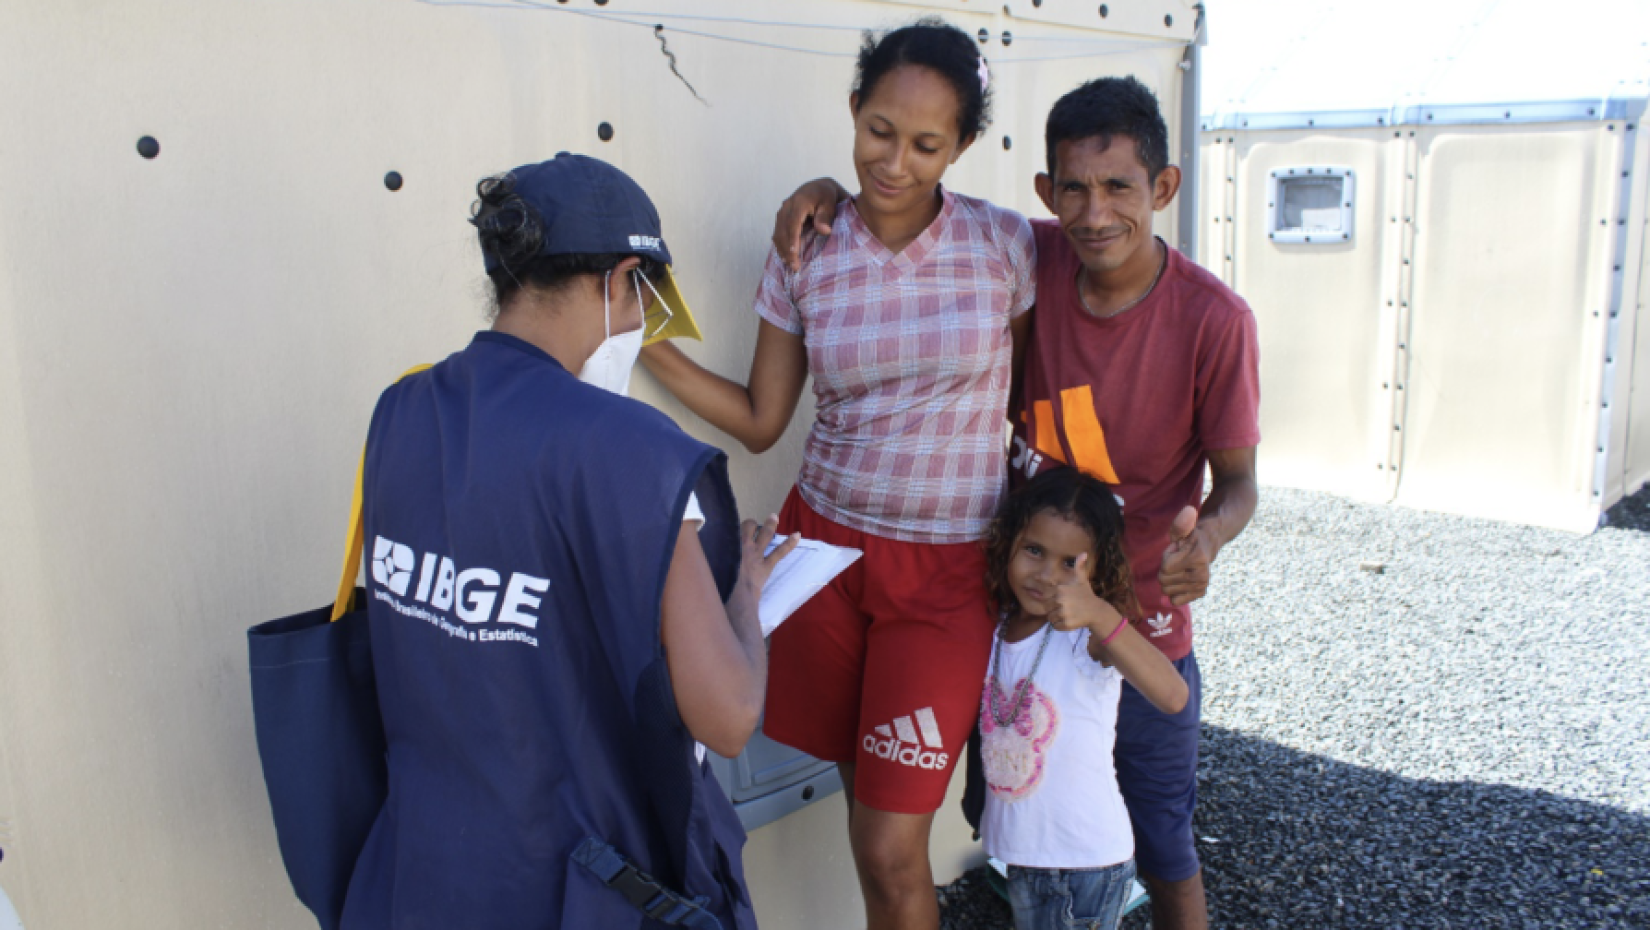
pixel 903 315
pixel 1063 647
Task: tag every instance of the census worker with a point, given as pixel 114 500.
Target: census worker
pixel 561 605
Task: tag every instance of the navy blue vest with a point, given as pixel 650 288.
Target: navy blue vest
pixel 519 527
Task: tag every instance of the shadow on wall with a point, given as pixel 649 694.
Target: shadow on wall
pixel 1295 840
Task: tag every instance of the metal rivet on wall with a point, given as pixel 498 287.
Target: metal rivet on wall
pixel 393 180
pixel 148 147
pixel 1008 37
pixel 985 36
pixel 604 132
pixel 1008 143
pixel 1168 21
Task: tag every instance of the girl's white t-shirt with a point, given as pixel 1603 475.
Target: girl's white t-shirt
pixel 1052 800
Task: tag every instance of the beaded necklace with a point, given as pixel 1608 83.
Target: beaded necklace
pixel 1022 691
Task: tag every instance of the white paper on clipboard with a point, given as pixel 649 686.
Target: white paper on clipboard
pixel 799 576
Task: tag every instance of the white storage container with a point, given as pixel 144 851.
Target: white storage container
pixel 1473 339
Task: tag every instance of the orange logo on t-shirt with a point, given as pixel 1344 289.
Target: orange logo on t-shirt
pixel 1083 432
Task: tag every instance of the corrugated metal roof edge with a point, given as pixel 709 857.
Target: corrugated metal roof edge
pixel 1552 111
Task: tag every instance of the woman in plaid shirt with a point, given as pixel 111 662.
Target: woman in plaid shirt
pixel 904 313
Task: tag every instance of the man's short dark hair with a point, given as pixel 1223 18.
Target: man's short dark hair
pixel 1107 108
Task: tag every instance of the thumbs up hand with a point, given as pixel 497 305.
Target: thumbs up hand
pixel 1077 606
pixel 1185 572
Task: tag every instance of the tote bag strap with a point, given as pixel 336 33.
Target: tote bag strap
pixel 355 543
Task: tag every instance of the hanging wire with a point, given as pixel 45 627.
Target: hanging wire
pixel 828 27
pixel 623 21
pixel 1100 47
pixel 651 17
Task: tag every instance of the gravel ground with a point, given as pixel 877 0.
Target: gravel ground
pixel 1418 720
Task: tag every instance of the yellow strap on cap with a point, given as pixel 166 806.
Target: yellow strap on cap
pixel 355 543
pixel 681 322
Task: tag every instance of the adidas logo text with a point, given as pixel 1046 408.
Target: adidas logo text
pixel 901 743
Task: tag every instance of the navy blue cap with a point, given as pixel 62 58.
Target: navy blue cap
pixel 588 207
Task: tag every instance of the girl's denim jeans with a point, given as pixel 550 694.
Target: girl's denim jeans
pixel 1069 899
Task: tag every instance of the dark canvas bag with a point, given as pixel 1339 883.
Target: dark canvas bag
pixel 320 737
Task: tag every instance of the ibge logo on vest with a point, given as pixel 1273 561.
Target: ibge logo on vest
pixel 470 595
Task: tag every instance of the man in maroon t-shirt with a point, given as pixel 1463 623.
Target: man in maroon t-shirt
pixel 1142 369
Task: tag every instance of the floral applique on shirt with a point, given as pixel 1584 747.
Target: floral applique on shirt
pixel 1015 754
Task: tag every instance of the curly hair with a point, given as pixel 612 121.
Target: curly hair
pixel 511 232
pixel 1085 501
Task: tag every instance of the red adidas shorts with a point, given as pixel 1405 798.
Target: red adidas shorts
pixel 883 668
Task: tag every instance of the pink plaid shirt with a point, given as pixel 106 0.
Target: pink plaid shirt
pixel 910 361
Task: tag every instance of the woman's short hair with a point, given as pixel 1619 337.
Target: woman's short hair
pixel 941 47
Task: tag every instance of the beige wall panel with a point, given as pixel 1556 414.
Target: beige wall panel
pixel 1324 337
pixel 801 871
pixel 190 348
pixel 1155 19
pixel 1502 379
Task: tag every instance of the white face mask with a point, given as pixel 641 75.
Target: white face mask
pixel 610 365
